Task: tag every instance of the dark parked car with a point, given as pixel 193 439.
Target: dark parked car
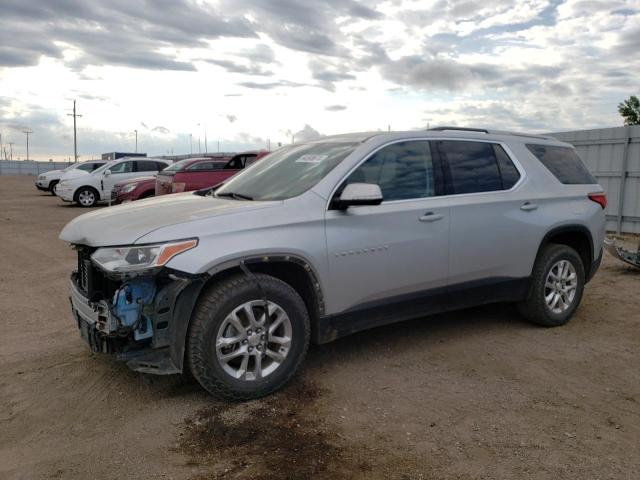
pixel 130 190
pixel 194 174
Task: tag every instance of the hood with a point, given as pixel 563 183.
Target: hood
pixel 124 224
pixel 73 173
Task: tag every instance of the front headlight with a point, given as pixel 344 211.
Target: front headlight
pixel 138 258
pixel 128 188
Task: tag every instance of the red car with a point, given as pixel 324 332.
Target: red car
pixel 135 189
pixel 196 173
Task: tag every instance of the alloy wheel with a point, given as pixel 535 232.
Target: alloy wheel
pixel 560 286
pixel 251 345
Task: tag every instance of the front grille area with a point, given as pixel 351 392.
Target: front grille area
pixel 93 282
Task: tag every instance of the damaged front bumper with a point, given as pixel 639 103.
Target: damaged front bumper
pixel 627 256
pixel 143 322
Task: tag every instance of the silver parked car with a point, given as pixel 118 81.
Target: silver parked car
pixel 325 238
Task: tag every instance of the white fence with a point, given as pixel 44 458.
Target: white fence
pixel 613 157
pixel 29 167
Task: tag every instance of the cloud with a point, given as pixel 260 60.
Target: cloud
pixel 272 85
pixel 308 26
pixel 328 73
pixel 335 108
pixel 112 32
pixel 234 67
pixel 307 133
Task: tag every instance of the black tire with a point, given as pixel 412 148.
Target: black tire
pixel 213 306
pixel 535 308
pixel 86 192
pixel 52 186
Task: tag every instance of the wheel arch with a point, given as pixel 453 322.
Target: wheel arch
pixel 577 237
pixel 77 191
pixel 291 269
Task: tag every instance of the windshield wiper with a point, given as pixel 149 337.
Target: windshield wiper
pixel 236 196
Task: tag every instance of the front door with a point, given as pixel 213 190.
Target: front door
pixel 119 172
pixel 396 250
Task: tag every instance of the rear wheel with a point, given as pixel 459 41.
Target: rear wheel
pixel 240 347
pixel 556 288
pixel 87 197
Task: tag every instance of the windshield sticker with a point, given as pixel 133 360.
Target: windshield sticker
pixel 310 158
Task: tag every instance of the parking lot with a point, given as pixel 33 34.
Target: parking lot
pixel 469 395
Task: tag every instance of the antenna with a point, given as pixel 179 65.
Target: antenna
pixel 75 141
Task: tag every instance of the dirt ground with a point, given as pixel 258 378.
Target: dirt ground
pixel 478 394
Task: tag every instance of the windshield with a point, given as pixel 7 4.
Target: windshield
pixel 174 167
pixel 287 172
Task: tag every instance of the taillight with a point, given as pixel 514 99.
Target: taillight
pixel 600 198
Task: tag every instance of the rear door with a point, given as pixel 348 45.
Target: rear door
pixel 386 253
pixel 493 219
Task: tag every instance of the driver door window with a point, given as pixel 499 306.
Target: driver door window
pixel 124 167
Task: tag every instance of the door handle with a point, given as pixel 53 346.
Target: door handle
pixel 528 207
pixel 430 217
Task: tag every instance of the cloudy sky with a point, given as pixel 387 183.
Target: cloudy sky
pixel 249 71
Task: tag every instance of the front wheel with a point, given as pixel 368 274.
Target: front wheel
pixel 52 187
pixel 557 284
pixel 240 346
pixel 87 197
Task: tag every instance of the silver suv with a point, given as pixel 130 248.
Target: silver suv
pixel 326 238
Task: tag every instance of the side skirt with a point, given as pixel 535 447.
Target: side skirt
pixel 419 304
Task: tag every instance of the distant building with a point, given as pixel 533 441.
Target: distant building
pixel 116 155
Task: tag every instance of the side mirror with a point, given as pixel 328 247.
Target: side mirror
pixel 356 194
pixel 107 172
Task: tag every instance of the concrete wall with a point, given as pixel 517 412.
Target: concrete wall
pixel 613 157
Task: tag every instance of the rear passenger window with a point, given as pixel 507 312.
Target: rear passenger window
pixel 160 166
pixel 508 170
pixel 403 171
pixel 564 163
pixel 146 166
pixel 472 167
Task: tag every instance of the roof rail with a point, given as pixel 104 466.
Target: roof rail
pixel 495 132
pixel 464 129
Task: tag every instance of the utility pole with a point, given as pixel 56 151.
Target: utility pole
pixel 27 132
pixel 191 143
pixel 75 138
pixel 206 149
pixel 11 150
pixel 136 140
pixel 218 146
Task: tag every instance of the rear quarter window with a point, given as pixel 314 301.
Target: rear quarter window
pixel 564 163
